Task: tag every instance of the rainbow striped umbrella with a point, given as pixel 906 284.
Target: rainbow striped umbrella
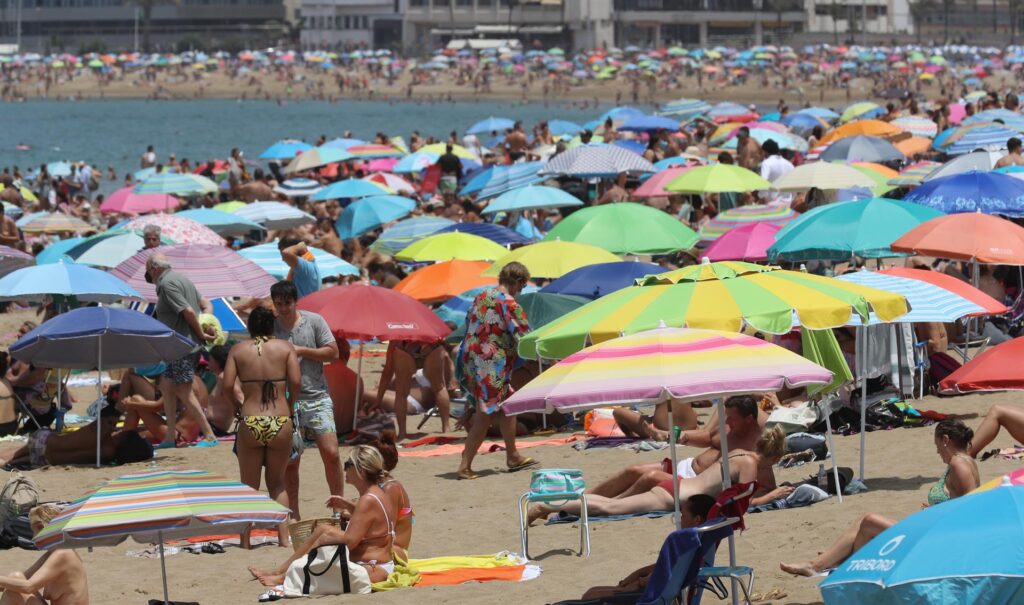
pixel 157 505
pixel 54 222
pixel 374 151
pixel 216 271
pixel 771 214
pixel 914 174
pixel 656 365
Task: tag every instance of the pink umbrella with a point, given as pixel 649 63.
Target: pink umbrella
pixel 381 165
pixel 655 186
pixel 123 201
pixel 957 113
pixel 749 242
pixel 216 271
pixel 180 229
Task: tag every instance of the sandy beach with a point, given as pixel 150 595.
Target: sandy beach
pixel 479 517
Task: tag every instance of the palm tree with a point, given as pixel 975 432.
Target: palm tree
pixel 147 17
pixel 947 7
pixel 918 10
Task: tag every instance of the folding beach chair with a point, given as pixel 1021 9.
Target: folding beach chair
pixel 555 485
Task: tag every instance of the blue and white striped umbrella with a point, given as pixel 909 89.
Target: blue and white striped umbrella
pixel 268 257
pixel 685 109
pixel 285 150
pixel 928 302
pixel 177 184
pixel 455 308
pixel 531 197
pixel 409 231
pixel 1008 117
pixel 507 178
pixel 298 187
pixel 589 161
pixel 986 138
pixel 498 234
pixel 275 215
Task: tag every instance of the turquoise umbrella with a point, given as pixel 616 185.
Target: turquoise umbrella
pixel 349 188
pixel 531 197
pixel 268 257
pixel 843 230
pixel 110 249
pixel 223 223
pixel 57 250
pixel 372 212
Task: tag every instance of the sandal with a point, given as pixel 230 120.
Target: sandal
pixel 989 454
pixel 468 475
pixel 274 594
pixel 524 463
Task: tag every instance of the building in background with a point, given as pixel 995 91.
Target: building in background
pixel 349 24
pixel 707 22
pixel 849 17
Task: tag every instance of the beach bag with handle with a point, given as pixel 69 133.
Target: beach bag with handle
pixel 551 484
pixel 17 498
pixel 326 570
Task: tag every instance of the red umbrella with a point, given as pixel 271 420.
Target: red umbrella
pixel 954 285
pixel 997 369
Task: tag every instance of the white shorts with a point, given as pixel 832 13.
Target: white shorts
pixel 684 468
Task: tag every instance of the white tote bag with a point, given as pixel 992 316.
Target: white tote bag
pixel 326 570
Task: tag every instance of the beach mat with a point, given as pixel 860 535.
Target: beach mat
pixel 450 449
pixel 564 517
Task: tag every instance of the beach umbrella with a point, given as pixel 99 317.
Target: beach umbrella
pixel 973 236
pixel 415 162
pixel 531 197
pixel 392 183
pixel 596 161
pixel 594 281
pixel 981 161
pixel 298 187
pixel 862 148
pixel 12 260
pixel 342 143
pixel 655 185
pixel 54 222
pixel 821 175
pixel 803 123
pixel 718 178
pixel 496 233
pixel 928 303
pixel 125 201
pixel 911 561
pixel 684 109
pixel 995 369
pixel 216 271
pixel 405 232
pixel 542 308
pixel 986 138
pixel 454 309
pixel 771 214
pixel 371 212
pixel 749 243
pixel 64 279
pixel 727 111
pixel 560 128
pixel 158 505
pixel 275 215
pixel 723 295
pixel 823 113
pixel 864 109
pixel 952 284
pixel 839 232
pixel 452 246
pixel 229 206
pixel 221 223
pixel 268 257
pixel 285 150
pixel 441 281
pixel 874 128
pixel 317 157
pixel 176 184
pixel 491 125
pixel 180 229
pixel 460 152
pixel 550 260
pixel 56 251
pixel 785 140
pixel 987 192
pixel 916 125
pixel 109 248
pixel 1015 477
pixel 914 174
pixel 649 124
pixel 500 179
pixel 625 228
pixel 349 188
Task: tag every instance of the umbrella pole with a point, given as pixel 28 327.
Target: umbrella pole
pixel 544 413
pixel 672 438
pixel 828 435
pixel 163 566
pixel 726 484
pixel 99 395
pixel 862 362
pixel 359 387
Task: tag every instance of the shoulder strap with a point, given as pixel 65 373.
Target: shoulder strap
pixel 308 574
pixel 387 519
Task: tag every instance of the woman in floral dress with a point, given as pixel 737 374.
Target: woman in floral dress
pixel 485 362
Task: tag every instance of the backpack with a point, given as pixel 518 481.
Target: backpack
pixel 941 365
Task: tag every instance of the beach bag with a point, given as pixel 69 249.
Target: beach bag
pixel 18 496
pixel 549 484
pixel 795 419
pixel 600 422
pixel 326 570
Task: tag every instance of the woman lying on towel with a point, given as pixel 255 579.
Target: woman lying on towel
pixel 370 533
pixel 952 441
pixel 743 468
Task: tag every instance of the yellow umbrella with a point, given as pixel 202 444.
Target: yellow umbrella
pixel 230 206
pixel 550 260
pixel 458 150
pixel 452 246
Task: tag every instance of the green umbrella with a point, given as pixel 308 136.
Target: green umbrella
pixel 95 63
pixel 625 228
pixel 544 307
pixel 880 184
pixel 841 231
pixel 821 347
pixel 718 178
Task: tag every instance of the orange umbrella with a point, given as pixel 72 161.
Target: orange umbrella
pixel 971 237
pixel 442 281
pixel 913 145
pixel 875 128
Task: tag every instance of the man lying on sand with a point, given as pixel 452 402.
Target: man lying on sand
pixel 57 578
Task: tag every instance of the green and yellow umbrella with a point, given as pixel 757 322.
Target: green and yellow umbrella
pixel 718 296
pixel 452 246
pixel 550 260
pixel 230 206
pixel 718 178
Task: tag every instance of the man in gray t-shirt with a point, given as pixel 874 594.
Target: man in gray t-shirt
pixel 314 409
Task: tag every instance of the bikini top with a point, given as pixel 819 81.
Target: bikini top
pixel 938 494
pixel 268 392
pixel 405 511
pixel 391 528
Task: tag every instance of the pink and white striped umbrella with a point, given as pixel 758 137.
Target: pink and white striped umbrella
pixel 216 271
pixel 180 229
pixel 125 201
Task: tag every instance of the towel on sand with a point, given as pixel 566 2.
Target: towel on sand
pixel 452 570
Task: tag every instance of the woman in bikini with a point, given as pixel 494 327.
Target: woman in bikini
pixel 405 517
pixel 952 442
pixel 370 533
pixel 403 359
pixel 744 467
pixel 268 371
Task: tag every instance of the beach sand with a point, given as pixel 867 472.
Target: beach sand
pixel 478 517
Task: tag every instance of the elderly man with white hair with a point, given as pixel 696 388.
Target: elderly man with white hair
pixel 150 237
pixel 178 307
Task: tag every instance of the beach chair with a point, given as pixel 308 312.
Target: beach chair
pixel 549 485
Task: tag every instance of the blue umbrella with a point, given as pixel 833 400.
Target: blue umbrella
pixel 803 122
pixel 415 162
pixel 268 257
pixel 988 192
pixel 983 138
pixel 649 124
pixel 496 233
pixel 342 143
pixel 285 150
pixel 64 279
pixel 59 168
pixel 637 147
pixel 862 148
pixel 403 233
pixel 821 112
pixel 564 127
pixel 620 114
pixel 223 223
pixel 226 315
pixel 595 281
pixel 454 309
pixel 1008 117
pixel 531 197
pixel 964 550
pixel 349 188
pixel 928 302
pixel 298 187
pixel 506 178
pixel 56 251
pixel 372 212
pixel 491 125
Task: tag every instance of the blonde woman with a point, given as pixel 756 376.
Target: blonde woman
pixel 57 577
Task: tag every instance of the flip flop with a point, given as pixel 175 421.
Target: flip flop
pixel 526 463
pixel 468 475
pixel 273 594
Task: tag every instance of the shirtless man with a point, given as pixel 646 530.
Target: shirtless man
pixel 1013 157
pixel 220 410
pixel 748 152
pixel 516 142
pixel 57 578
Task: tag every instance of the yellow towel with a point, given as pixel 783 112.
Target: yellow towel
pixel 408 574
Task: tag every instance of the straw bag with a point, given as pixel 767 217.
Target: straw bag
pixel 326 570
pixel 300 531
pixel 17 497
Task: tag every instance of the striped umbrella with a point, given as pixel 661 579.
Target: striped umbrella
pixel 597 161
pixel 684 109
pixel 454 309
pixel 298 187
pixel 317 157
pixel 496 233
pixel 157 505
pixel 54 222
pixel 988 138
pixel 216 271
pixel 392 182
pixel 12 260
pixel 222 223
pixel 771 214
pixel 178 228
pixel 415 162
pixel 928 303
pixel 403 233
pixel 109 248
pixel 913 174
pixel 917 126
pixel 374 151
pixel 275 215
pixel 507 178
pixel 724 295
pixel 176 184
pixel 268 257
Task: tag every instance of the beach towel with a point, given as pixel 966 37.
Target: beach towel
pixel 564 517
pixel 487 447
pixel 680 545
pixel 431 440
pixel 451 570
